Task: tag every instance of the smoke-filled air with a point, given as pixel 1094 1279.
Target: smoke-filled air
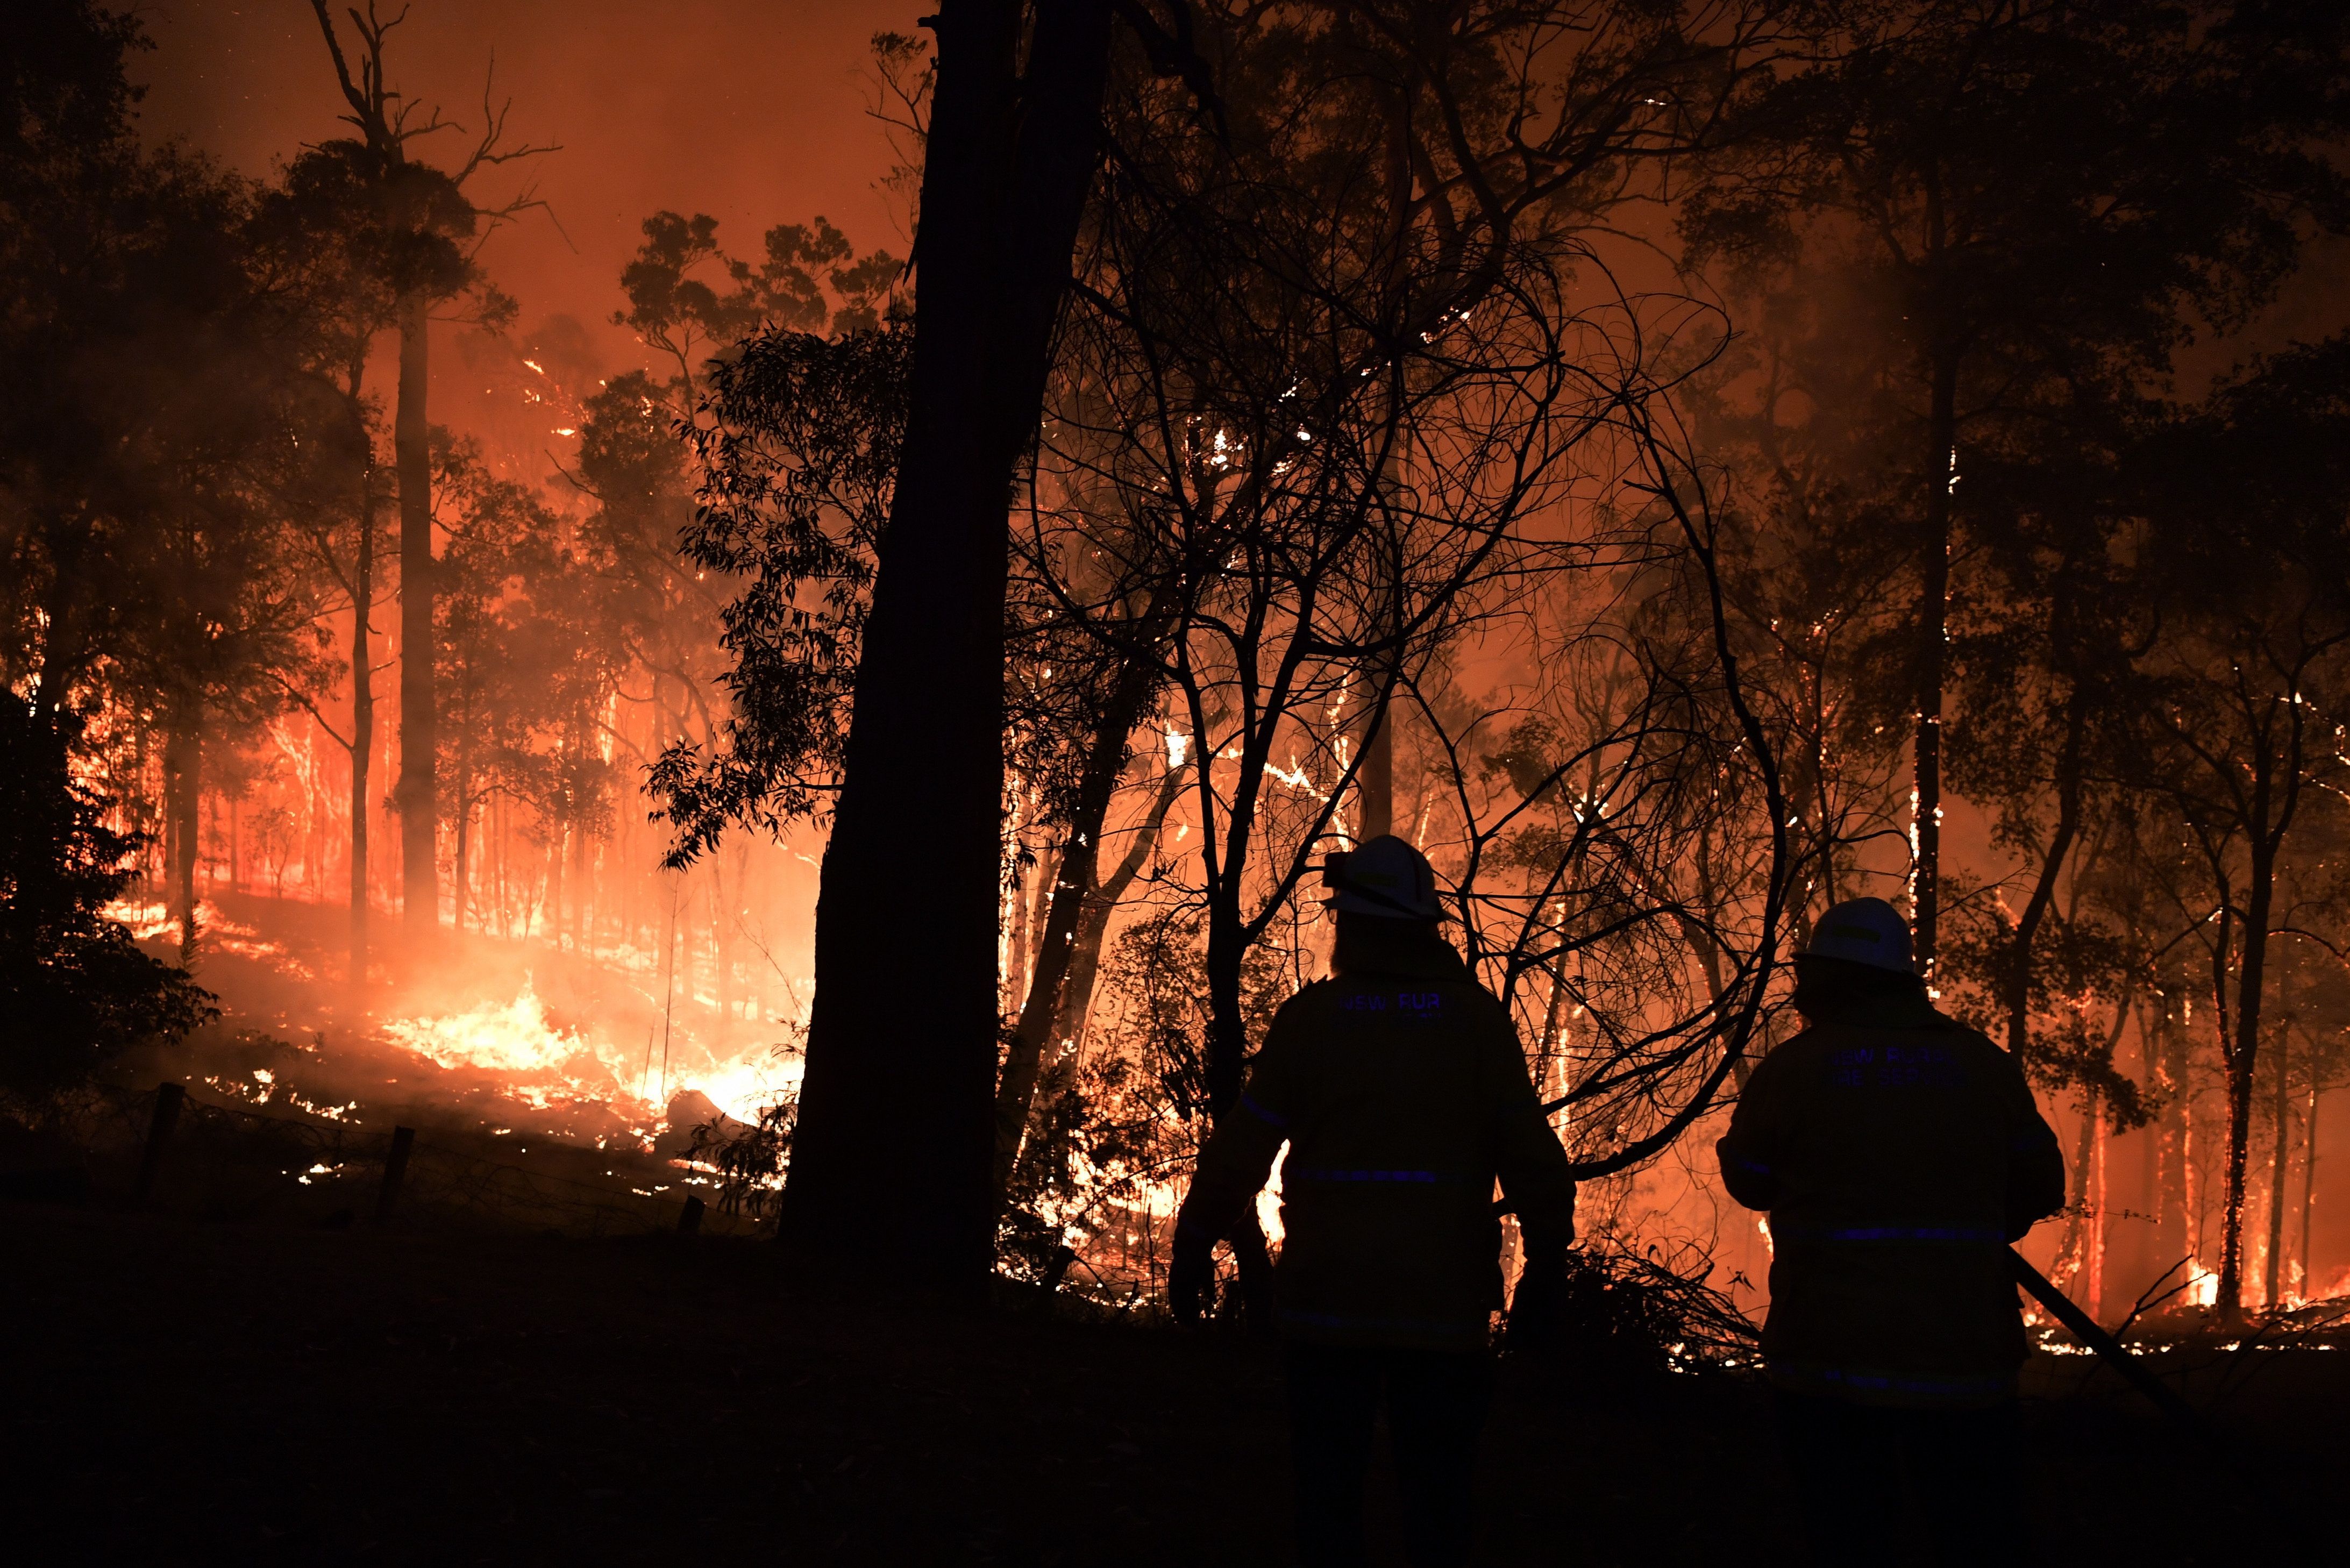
pixel 1177 781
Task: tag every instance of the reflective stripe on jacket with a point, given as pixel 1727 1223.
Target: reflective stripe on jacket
pixel 1898 1153
pixel 1403 1097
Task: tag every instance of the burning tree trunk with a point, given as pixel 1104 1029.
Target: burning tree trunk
pixel 2309 1184
pixel 2244 1055
pixel 1011 157
pixel 2279 1167
pixel 416 794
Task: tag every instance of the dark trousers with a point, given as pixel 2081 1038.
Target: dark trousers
pixel 1882 1485
pixel 1435 1403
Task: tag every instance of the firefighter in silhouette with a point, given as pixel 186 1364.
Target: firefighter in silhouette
pixel 1898 1153
pixel 1399 1086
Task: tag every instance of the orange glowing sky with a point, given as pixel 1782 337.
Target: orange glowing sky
pixel 754 113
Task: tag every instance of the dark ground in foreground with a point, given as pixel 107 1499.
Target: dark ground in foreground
pixel 185 1392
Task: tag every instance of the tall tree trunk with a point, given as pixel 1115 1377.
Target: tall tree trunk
pixel 183 822
pixel 459 864
pixel 2072 1252
pixel 1227 1046
pixel 2245 1055
pixel 1933 633
pixel 892 1156
pixel 2309 1189
pixel 2174 1235
pixel 1015 959
pixel 2093 1291
pixel 2278 1168
pixel 1375 780
pixel 1093 922
pixel 2044 892
pixel 582 886
pixel 363 737
pixel 1073 884
pixel 419 734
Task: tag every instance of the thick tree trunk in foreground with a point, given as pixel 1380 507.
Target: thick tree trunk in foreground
pixel 891 1158
pixel 419 733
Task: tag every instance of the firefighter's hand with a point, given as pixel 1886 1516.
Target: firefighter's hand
pixel 1538 1309
pixel 1191 1274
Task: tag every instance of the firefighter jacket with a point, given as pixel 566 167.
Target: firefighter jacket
pixel 1898 1153
pixel 1401 1091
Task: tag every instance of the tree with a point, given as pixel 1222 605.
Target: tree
pixel 168 428
pixel 1014 139
pixel 75 991
pixel 526 661
pixel 2249 499
pixel 431 228
pixel 2022 202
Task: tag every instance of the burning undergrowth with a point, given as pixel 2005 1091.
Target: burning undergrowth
pixel 545 1087
pixel 545 1061
pixel 592 1046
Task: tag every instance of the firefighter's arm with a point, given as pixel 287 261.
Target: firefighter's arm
pixel 1233 1167
pixel 1538 1183
pixel 2035 1161
pixel 1231 1171
pixel 1749 1150
pixel 1537 1178
pixel 1239 1153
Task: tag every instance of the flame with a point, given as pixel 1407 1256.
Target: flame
pixel 547 1064
pixel 515 1037
pixel 2203 1285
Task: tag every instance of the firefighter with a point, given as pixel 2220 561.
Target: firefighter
pixel 1400 1090
pixel 1898 1153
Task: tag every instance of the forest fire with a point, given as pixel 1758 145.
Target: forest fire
pixel 1617 705
pixel 542 1063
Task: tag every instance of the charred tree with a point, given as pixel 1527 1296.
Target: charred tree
pixel 877 1171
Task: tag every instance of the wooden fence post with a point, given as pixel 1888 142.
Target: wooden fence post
pixel 395 1167
pixel 169 1098
pixel 689 1223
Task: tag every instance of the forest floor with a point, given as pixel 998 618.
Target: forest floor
pixel 181 1390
